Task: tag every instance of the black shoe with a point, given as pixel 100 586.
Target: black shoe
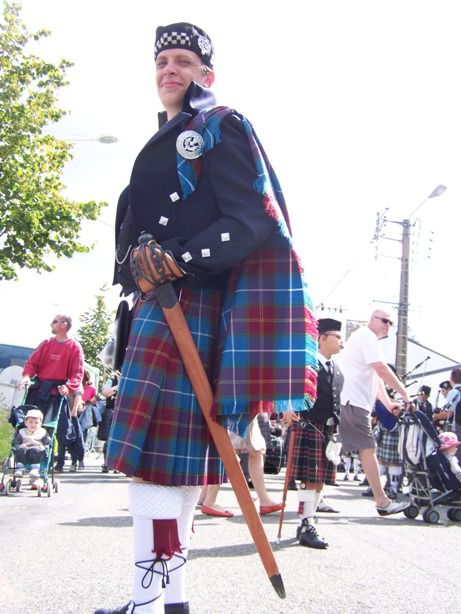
pixel 364 482
pixel 310 538
pixel 292 485
pixel 104 469
pixel 177 608
pixel 122 610
pixel 58 469
pixel 367 493
pixel 73 468
pixel 81 465
pixel 299 528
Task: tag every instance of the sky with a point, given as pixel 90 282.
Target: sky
pixel 357 103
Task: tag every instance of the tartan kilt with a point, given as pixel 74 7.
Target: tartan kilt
pixel 387 446
pixel 309 461
pixel 158 432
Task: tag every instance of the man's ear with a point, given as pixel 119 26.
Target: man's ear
pixel 209 78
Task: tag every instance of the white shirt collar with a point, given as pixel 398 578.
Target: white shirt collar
pixel 323 360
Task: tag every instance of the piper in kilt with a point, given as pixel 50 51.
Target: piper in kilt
pixel 312 433
pixel 386 433
pixel 204 189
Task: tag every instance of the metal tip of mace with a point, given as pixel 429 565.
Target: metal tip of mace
pixel 277 583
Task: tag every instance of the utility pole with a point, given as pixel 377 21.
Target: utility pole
pixel 402 324
pixel 404 294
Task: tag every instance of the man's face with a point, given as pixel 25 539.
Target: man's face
pixel 330 343
pixel 380 323
pixel 58 325
pixel 175 71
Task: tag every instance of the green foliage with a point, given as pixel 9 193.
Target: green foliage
pixel 6 434
pixel 94 332
pixel 35 219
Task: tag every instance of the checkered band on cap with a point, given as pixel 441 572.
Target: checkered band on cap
pixel 185 36
pixel 172 39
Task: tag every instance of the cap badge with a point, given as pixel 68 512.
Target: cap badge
pixel 205 45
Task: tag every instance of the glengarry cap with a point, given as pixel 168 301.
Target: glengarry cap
pixel 185 36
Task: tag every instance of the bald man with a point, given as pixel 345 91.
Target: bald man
pixel 365 373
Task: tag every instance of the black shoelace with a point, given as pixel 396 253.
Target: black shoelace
pixel 149 567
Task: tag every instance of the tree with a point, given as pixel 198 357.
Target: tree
pixel 35 218
pixel 94 332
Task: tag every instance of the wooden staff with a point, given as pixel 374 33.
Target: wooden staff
pixel 287 480
pixel 201 386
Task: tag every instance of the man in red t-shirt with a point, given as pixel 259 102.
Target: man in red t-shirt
pixel 57 368
pixel 57 358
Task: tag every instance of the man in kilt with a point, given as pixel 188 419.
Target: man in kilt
pixel 387 448
pixel 311 435
pixel 203 188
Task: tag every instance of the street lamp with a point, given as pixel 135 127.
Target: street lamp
pixel 107 139
pixel 402 322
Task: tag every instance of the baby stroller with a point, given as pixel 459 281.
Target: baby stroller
pixel 46 482
pixel 427 471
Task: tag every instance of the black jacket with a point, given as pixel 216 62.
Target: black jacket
pixel 224 202
pixel 328 403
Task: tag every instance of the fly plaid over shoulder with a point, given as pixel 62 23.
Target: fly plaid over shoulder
pixel 267 309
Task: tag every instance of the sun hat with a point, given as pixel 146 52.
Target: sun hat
pixel 34 413
pixel 448 440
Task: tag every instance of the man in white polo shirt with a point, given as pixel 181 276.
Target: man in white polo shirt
pixel 365 372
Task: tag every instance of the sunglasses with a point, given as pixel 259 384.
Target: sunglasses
pixel 385 320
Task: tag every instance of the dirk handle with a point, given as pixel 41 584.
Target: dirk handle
pixel 201 386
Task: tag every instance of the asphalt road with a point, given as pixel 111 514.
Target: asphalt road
pixel 71 553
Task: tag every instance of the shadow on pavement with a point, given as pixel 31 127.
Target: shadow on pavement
pixel 100 521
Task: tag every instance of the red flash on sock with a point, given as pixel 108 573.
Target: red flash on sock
pixel 166 538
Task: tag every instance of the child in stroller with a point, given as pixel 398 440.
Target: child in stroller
pixel 448 445
pixel 430 480
pixel 30 444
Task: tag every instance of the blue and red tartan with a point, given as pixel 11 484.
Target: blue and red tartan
pixel 158 432
pixel 268 336
pixel 258 343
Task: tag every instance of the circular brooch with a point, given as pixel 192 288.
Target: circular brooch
pixel 190 144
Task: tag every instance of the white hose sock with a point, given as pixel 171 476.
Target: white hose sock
pixel 167 513
pixel 308 497
pixel 176 589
